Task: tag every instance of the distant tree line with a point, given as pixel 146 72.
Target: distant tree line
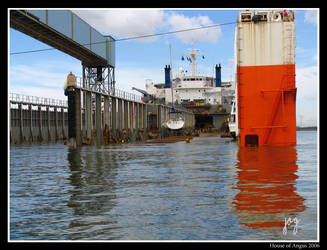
pixel 307 128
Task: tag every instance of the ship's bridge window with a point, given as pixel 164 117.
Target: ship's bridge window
pixel 193 79
pixel 246 17
pixel 262 16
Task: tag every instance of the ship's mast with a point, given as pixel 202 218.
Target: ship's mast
pixel 171 77
pixel 193 58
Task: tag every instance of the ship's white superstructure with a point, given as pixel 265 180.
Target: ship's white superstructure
pixel 206 96
pixel 197 90
pixel 188 89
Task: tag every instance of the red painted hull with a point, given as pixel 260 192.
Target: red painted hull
pixel 267 105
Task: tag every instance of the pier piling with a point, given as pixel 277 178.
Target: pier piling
pixel 97 118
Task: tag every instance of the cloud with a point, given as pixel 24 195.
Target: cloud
pixel 306 82
pixel 43 79
pixel 310 16
pixel 124 23
pixel 307 96
pixel 28 75
pixel 128 77
pixel 180 22
pixel 306 56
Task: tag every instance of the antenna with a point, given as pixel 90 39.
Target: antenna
pixel 193 58
pixel 171 63
pixel 171 78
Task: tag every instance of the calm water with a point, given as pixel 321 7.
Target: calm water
pixel 205 190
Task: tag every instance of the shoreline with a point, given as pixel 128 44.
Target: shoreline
pixel 312 128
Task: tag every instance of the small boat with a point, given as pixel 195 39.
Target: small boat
pixel 175 120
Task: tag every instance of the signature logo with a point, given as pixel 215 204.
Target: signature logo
pixel 291 222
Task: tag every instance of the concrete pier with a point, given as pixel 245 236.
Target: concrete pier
pixel 37 119
pixel 95 118
pixel 122 117
pixel 115 117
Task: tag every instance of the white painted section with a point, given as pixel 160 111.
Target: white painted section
pixel 188 89
pixel 269 42
pixel 233 119
pixel 175 124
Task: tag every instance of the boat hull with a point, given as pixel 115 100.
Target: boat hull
pixel 175 125
pixel 267 104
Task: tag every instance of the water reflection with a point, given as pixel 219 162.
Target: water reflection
pixel 266 181
pixel 93 193
pixel 203 190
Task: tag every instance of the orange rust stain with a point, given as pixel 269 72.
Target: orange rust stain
pixel 266 100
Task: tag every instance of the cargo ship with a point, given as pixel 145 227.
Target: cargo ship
pixel 207 97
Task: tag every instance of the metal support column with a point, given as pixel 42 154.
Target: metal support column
pixel 114 113
pixel 98 118
pixel 106 118
pixel 78 120
pixel 140 111
pixel 88 115
pixel 125 115
pixel 106 112
pixel 131 116
pixel 22 136
pixel 31 121
pixel 40 123
pixel 48 122
pixel 145 117
pixel 120 114
pixel 56 122
pixel 158 116
pixel 136 112
pixel 63 123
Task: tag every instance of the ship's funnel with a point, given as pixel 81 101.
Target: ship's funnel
pixel 167 76
pixel 218 75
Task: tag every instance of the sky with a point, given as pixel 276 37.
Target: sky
pixel 44 73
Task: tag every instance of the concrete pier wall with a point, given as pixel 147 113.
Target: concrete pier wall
pixel 97 118
pixel 109 119
pixel 37 123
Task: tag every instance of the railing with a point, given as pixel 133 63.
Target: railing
pixel 112 92
pixel 125 95
pixel 19 98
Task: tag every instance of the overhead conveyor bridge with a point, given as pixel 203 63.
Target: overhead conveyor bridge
pixel 65 31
